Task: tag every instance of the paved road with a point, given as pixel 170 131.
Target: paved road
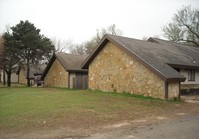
pixel 186 127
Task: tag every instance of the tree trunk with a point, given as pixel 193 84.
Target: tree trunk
pixel 28 72
pixel 4 77
pixel 9 78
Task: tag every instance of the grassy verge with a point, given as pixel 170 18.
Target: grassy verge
pixel 23 108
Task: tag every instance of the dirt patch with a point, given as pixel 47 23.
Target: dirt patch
pixel 161 118
pixel 118 125
pixel 83 129
pixel 183 127
pixel 180 114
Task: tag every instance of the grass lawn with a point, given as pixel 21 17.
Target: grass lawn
pixel 27 109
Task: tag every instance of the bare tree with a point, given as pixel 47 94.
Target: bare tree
pixel 184 27
pixel 109 30
pixel 61 46
pixel 91 44
pixel 88 46
pixel 145 38
pixel 77 49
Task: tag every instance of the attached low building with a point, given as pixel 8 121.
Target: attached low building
pixel 186 64
pixel 64 70
pixel 121 64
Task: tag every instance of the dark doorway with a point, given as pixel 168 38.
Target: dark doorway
pixel 80 81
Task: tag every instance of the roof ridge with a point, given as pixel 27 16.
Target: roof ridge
pixel 69 54
pixel 171 42
pixel 126 37
pixel 143 41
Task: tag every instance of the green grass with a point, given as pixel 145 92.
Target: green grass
pixel 23 108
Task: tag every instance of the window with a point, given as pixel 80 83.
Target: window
pixel 191 75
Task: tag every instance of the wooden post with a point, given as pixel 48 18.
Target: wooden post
pixel 166 90
pixel 179 91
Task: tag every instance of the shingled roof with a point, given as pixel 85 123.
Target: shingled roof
pixel 179 55
pixel 158 57
pixel 34 70
pixel 70 62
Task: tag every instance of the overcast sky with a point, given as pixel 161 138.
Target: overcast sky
pixel 78 20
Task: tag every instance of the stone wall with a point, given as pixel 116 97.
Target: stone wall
pixel 22 77
pixel 57 76
pixel 116 71
pixel 14 78
pixel 173 90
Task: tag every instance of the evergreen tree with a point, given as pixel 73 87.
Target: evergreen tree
pixel 10 56
pixel 32 46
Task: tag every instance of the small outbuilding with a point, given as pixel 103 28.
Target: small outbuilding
pixel 64 70
pixel 35 73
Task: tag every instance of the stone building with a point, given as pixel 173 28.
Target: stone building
pixel 14 77
pixel 64 70
pixel 149 68
pixel 35 73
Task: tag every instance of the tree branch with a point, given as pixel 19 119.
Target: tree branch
pixel 197 35
pixel 190 42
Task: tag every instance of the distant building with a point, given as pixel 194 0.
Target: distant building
pixel 34 75
pixel 14 76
